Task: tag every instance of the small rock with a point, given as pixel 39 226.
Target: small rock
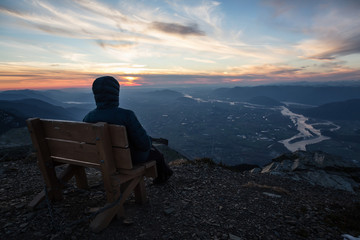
pixel 168 211
pixel 21 205
pixel 23 225
pixel 272 195
pixel 8 225
pixel 128 221
pixel 92 210
pixel 30 216
pixel 234 237
pixel 255 170
pixel 39 234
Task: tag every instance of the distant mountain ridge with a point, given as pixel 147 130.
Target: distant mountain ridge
pixel 346 110
pixel 315 95
pixel 26 108
pixel 12 95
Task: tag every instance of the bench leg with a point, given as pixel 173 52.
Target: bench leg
pixel 78 172
pixel 140 192
pixel 121 212
pixel 53 184
pixel 103 219
pixel 64 177
pixel 67 174
pixel 81 179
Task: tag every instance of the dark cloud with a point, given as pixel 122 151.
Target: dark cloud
pixel 332 64
pixel 343 47
pixel 121 44
pixel 10 11
pixel 175 28
pixel 286 71
pixel 54 30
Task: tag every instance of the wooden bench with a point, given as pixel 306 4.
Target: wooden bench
pixel 102 146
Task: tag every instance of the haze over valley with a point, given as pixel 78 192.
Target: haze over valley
pixel 230 125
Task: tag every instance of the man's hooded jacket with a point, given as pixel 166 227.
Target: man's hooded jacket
pixel 106 93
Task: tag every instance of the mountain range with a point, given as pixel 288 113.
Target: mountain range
pixel 12 95
pixel 313 95
pixel 345 110
pixel 31 107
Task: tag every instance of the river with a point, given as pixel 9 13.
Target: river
pixel 307 133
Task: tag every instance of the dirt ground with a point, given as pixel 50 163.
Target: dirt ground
pixel 200 201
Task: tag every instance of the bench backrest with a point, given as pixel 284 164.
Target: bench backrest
pixel 79 143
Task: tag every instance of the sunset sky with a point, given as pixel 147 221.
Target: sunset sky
pixel 68 43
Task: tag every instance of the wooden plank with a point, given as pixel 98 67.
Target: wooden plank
pixel 64 177
pixel 121 178
pixel 84 132
pixel 68 130
pixel 87 152
pixel 150 169
pixel 76 162
pixel 80 131
pixel 122 158
pixel 140 193
pixel 73 150
pixel 44 160
pixel 103 219
pixel 80 177
pixel 107 164
pixel 118 136
pixel 67 174
pixel 149 164
pixel 151 172
pixel 135 170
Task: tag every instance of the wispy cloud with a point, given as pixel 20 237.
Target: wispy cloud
pixel 332 27
pixel 206 12
pixel 122 29
pixel 142 40
pixel 199 60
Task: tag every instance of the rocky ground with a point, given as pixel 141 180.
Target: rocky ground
pixel 201 201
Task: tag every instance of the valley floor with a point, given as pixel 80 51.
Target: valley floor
pixel 201 201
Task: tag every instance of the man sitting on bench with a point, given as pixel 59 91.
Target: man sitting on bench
pixel 106 93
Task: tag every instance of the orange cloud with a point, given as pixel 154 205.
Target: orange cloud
pixel 14 76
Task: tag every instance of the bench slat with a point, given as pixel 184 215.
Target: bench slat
pixel 76 162
pixel 118 136
pixel 80 151
pixel 73 150
pixel 67 130
pixel 80 131
pixel 122 158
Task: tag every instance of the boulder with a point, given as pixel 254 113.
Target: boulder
pixel 317 168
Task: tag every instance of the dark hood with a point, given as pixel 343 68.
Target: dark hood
pixel 106 92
